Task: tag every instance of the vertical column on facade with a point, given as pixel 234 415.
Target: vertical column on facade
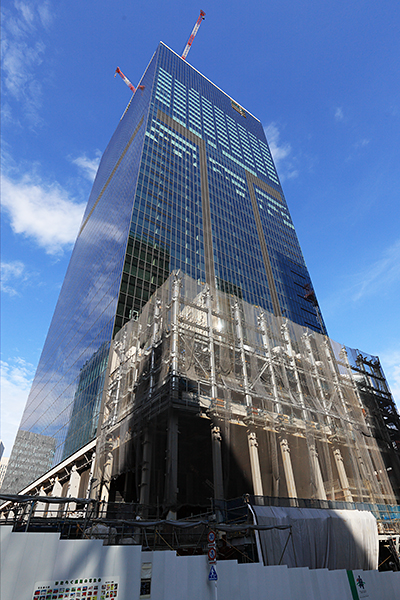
pixel 333 367
pixel 107 470
pixel 156 319
pixel 73 487
pixel 274 449
pixel 91 480
pixel 336 452
pixel 136 360
pixel 317 377
pixel 313 456
pixel 255 463
pixel 344 482
pixel 216 441
pixel 171 483
pixel 176 286
pixel 119 347
pixel 307 342
pixel 144 497
pixel 40 507
pixel 251 435
pixel 316 467
pixel 56 492
pixel 287 467
pixel 213 379
pixel 240 339
pixel 216 438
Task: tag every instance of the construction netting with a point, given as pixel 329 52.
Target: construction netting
pixel 211 397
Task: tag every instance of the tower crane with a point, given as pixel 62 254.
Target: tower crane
pixel 184 55
pixel 128 83
pixel 193 34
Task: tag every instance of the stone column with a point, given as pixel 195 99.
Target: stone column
pixel 40 507
pixel 56 491
pixel 175 332
pixel 216 442
pixel 144 498
pixel 255 463
pixel 287 467
pixel 344 482
pixel 107 470
pixel 73 488
pixel 157 312
pixel 171 483
pixel 316 467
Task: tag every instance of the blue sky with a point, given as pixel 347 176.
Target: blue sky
pixel 323 78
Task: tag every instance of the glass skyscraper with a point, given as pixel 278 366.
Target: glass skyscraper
pixel 186 183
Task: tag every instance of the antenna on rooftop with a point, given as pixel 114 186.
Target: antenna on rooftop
pixel 128 83
pixel 193 34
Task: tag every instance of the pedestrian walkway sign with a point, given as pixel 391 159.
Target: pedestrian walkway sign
pixel 213 574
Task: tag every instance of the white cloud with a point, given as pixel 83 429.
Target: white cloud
pixel 380 274
pixel 43 212
pixel 23 53
pixel 361 143
pixel 16 380
pixel 280 153
pixel 89 166
pixel 339 116
pixel 11 271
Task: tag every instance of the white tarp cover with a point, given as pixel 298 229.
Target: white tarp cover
pixel 321 538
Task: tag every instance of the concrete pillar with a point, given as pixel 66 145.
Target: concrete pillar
pixel 137 355
pixel 255 463
pixel 216 442
pixel 171 484
pixel 144 498
pixel 157 312
pixel 275 464
pixel 40 507
pixel 107 470
pixel 56 491
pixel 175 331
pixel 91 480
pixel 288 469
pixel 73 488
pixel 344 482
pixel 316 467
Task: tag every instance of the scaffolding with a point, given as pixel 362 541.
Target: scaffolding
pixel 211 397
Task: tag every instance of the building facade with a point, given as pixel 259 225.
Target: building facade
pixel 187 183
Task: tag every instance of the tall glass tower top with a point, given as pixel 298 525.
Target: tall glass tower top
pixel 187 182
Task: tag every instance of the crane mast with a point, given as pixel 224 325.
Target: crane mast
pixel 126 80
pixel 184 55
pixel 193 34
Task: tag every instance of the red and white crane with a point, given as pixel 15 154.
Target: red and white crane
pixel 184 55
pixel 193 34
pixel 128 83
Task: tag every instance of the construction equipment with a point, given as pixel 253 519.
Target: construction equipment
pixel 193 34
pixel 128 83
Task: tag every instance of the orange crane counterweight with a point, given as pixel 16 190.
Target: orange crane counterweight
pixel 193 34
pixel 128 83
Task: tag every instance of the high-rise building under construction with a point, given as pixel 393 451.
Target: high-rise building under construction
pixel 187 257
